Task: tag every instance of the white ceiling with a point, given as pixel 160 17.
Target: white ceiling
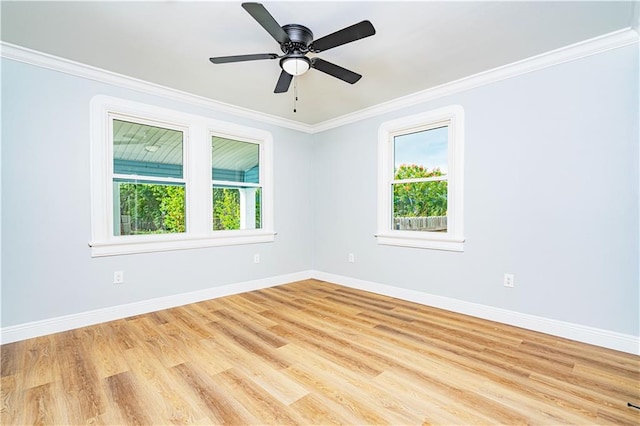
pixel 418 45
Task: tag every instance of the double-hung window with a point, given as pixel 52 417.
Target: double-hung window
pixel 148 177
pixel 420 180
pixel 236 184
pixel 166 180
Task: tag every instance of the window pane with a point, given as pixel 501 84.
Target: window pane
pixel 149 208
pixel 235 161
pixel 142 150
pixel 424 152
pixel 236 208
pixel 420 206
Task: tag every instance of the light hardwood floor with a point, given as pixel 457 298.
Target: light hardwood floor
pixel 311 352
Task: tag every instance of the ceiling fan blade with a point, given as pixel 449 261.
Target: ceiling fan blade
pixel 346 35
pixel 283 83
pixel 335 70
pixel 242 58
pixel 264 18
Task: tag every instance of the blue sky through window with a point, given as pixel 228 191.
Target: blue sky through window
pixel 427 148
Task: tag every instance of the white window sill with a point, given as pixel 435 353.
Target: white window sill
pixel 419 240
pixel 154 243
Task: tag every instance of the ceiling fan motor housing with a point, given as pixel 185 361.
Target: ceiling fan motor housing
pixel 300 36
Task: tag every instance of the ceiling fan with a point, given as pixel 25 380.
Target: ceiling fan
pixel 295 42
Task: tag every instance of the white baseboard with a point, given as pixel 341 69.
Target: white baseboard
pixel 595 336
pixel 591 335
pixel 83 319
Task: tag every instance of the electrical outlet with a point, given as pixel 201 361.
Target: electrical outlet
pixel 256 258
pixel 509 280
pixel 352 258
pixel 118 277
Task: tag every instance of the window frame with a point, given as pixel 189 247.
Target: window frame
pixel 196 174
pixel 145 178
pixel 453 239
pixel 261 176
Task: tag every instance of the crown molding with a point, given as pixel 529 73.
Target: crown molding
pixel 55 63
pixel 613 40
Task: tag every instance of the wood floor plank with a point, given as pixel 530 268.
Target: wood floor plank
pixel 330 348
pixel 41 401
pixel 125 394
pixel 10 402
pixel 253 366
pixel 39 362
pixel 214 395
pixel 249 343
pixel 324 384
pixel 165 395
pixel 10 354
pixel 351 383
pixel 315 409
pixel 124 336
pixel 103 349
pixel 248 309
pixel 312 352
pixel 81 384
pixel 256 400
pixel 163 343
pixel 245 324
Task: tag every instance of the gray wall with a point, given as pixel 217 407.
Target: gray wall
pixel 551 195
pixel 47 270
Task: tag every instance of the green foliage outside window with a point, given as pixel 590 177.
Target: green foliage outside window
pixel 153 208
pixel 419 199
pixel 226 209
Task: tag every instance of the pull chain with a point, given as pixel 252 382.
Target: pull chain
pixel 295 93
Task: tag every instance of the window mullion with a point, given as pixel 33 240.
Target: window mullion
pixel 234 183
pixel 417 180
pixel 198 192
pixel 139 178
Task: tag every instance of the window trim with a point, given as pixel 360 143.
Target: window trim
pixel 453 239
pixel 197 175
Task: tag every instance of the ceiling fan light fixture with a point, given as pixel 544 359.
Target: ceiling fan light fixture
pixel 295 65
